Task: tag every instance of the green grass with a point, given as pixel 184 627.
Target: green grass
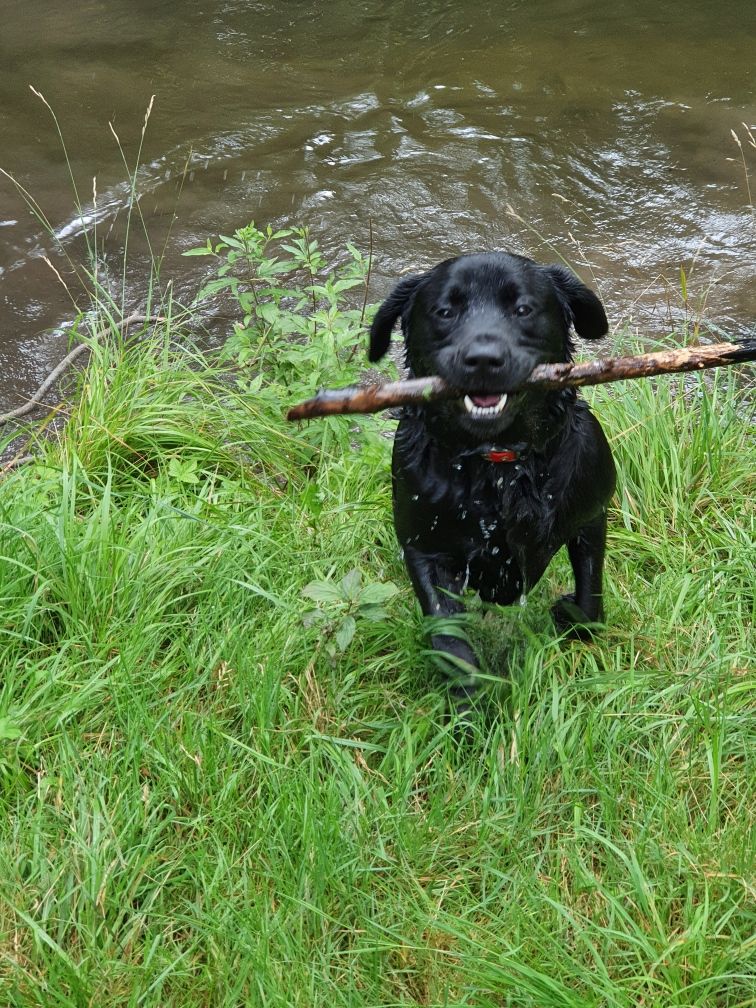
pixel 202 806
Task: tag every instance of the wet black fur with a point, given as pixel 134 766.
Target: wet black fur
pixel 483 322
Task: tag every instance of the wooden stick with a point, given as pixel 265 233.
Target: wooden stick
pixel 372 398
pixel 36 399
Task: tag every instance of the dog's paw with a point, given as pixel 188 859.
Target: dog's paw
pixel 572 621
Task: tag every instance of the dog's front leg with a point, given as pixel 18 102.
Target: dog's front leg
pixel 438 588
pixel 586 552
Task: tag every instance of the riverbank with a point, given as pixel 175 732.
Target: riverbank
pixel 226 775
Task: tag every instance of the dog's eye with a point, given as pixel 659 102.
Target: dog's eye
pixel 445 313
pixel 522 310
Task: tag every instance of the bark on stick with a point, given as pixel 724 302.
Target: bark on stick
pixel 372 398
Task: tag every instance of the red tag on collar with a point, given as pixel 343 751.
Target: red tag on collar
pixel 501 455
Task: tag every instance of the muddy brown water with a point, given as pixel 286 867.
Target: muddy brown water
pixel 600 133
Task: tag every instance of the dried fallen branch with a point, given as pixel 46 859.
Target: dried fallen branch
pixel 372 398
pixel 36 399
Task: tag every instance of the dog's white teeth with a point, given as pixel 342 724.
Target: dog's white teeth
pixel 481 412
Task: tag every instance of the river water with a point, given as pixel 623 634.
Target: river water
pixel 598 133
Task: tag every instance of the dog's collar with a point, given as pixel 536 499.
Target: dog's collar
pixel 500 453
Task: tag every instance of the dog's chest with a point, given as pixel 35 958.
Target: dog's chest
pixel 471 508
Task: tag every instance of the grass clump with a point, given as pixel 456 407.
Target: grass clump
pixel 225 774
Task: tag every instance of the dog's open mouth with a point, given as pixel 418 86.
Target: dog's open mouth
pixel 485 407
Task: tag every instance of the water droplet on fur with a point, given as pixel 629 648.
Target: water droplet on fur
pixel 415 496
pixel 486 528
pixel 494 551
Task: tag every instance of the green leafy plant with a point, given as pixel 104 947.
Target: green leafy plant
pixel 297 325
pixel 185 471
pixel 300 323
pixel 340 604
pixel 9 730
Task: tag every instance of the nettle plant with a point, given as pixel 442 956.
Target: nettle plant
pixel 299 327
pixel 340 604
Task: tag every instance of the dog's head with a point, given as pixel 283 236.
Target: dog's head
pixel 483 322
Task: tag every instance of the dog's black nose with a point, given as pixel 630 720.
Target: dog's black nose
pixel 484 353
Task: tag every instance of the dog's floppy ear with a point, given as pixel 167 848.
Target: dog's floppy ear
pixel 584 309
pixel 397 303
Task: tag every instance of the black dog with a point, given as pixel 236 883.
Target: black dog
pixel 488 487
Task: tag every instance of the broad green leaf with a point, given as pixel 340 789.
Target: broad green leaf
pixel 8 730
pixel 233 243
pixel 322 591
pixel 351 585
pixel 345 633
pixel 376 592
pixel 374 613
